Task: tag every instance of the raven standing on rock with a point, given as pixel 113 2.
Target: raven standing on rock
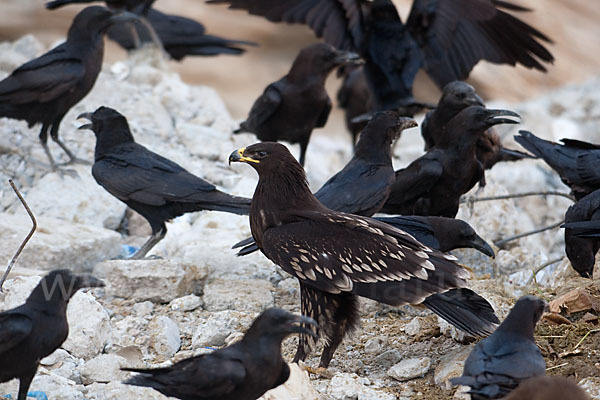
pixel 34 330
pixel 457 96
pixel 242 371
pixel 292 107
pixel 509 356
pixel 432 184
pixel 447 38
pixel 155 187
pixel 44 89
pixel 338 256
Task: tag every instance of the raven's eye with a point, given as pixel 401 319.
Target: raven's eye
pixel 460 96
pixel 261 154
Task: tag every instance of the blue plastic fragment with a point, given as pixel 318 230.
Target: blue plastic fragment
pixel 127 251
pixel 35 395
pixel 38 395
pixel 210 348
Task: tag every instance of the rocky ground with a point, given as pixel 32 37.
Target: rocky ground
pixel 198 295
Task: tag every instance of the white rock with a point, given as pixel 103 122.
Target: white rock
pixel 104 368
pixel 127 332
pixel 58 356
pixel 159 281
pixel 214 330
pixel 462 393
pixel 89 326
pixel 345 386
pixel 234 337
pixel 451 366
pixel 413 327
pixel 54 386
pixel 388 358
pixel 375 345
pixel 17 290
pixel 120 391
pixel 592 386
pixel 87 203
pixel 186 303
pixel 164 336
pixel 297 387
pixel 410 368
pixel 144 308
pixel 56 243
pixel 63 364
pixel 243 295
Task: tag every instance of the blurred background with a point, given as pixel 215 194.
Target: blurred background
pixel 574 26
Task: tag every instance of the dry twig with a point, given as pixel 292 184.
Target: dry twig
pixel 29 235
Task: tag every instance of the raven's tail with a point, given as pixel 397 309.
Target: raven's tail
pixel 230 204
pixel 209 45
pixel 464 309
pixel 584 229
pixel 145 377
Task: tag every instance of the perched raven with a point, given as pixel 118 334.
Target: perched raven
pixel 292 107
pixel 34 330
pixel 155 187
pixel 242 371
pixel 509 356
pixel 432 184
pixel 457 96
pixel 44 89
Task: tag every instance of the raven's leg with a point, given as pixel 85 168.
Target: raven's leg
pixel 44 141
pixel 24 383
pixel 345 319
pixel 54 136
pixel 303 146
pixel 150 243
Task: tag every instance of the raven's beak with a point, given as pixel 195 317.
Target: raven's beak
pixel 87 116
pixel 347 57
pixel 366 117
pixel 407 123
pixel 238 156
pixel 479 244
pixel 297 325
pixel 492 114
pixel 122 17
pixel 88 281
pixel 473 99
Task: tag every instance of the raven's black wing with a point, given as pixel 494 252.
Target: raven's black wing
pixel 456 34
pixel 14 328
pixel 135 173
pixel 43 79
pixel 338 22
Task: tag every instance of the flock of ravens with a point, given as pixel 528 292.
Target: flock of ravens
pixel 328 240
